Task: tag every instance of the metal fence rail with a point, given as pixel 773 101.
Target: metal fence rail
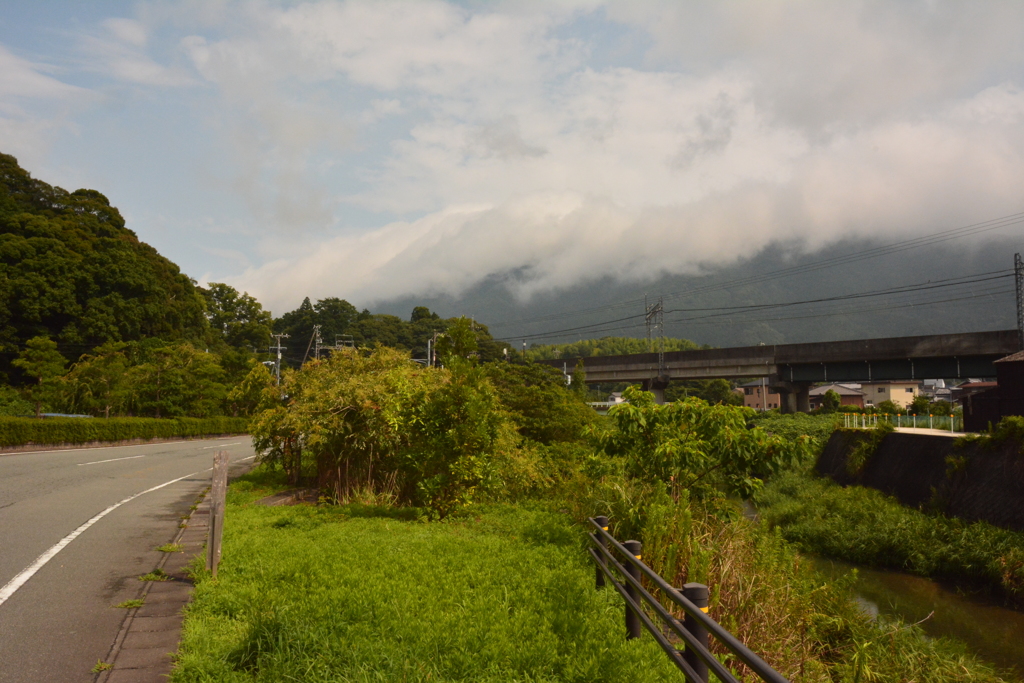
pixel 696 661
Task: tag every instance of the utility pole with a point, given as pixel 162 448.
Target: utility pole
pixel 1018 271
pixel 314 337
pixel 279 349
pixel 655 315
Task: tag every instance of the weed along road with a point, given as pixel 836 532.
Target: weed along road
pixel 77 529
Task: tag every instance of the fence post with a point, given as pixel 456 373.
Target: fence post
pixel 218 494
pixel 633 625
pixel 697 593
pixel 602 521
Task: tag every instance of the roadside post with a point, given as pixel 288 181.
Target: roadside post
pixel 697 593
pixel 603 522
pixel 632 618
pixel 218 495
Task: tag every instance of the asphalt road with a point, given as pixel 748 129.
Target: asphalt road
pixel 56 623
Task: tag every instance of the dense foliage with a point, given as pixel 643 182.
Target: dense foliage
pixel 817 428
pixel 693 447
pixel 71 271
pixel 340 323
pixel 18 431
pixel 606 346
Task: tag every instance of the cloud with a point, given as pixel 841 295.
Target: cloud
pixel 380 149
pixel 118 50
pixel 893 180
pixel 34 106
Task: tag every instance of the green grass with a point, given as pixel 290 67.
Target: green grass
pixel 344 594
pixel 130 604
pixel 865 526
pixel 155 575
pixel 99 666
pixel 170 548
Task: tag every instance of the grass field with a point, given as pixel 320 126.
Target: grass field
pixel 369 594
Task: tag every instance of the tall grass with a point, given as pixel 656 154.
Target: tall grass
pixel 867 527
pixel 352 594
pixel 805 625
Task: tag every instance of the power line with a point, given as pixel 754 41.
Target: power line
pixel 896 247
pixel 733 310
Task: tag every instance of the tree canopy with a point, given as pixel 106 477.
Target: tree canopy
pixel 71 271
pixel 606 346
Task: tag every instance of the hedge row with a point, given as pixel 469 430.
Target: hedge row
pixel 18 431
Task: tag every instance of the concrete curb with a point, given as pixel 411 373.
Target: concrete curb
pixel 144 649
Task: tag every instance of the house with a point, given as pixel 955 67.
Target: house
pixel 984 406
pixel 752 396
pixel 848 396
pixel 900 392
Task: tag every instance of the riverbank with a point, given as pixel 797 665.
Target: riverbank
pixel 866 527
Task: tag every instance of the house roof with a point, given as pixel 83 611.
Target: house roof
pixel 838 388
pixel 1012 358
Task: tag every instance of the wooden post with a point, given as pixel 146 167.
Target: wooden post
pixel 218 494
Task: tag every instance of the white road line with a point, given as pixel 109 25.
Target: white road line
pixel 97 462
pixel 222 445
pixel 18 581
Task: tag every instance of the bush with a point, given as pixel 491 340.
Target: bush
pixel 19 431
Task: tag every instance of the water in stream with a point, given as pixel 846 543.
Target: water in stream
pixel 993 633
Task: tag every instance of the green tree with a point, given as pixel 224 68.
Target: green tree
pixel 831 401
pixel 97 382
pixel 920 405
pixel 605 346
pixel 177 380
pixel 458 343
pixel 70 270
pixel 11 402
pixel 941 408
pixel 695 447
pixel 42 362
pixel 237 320
pixel 710 390
pixel 256 392
pixel 889 408
pixel 455 430
pixel 539 403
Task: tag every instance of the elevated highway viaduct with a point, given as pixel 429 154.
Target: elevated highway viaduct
pixel 792 369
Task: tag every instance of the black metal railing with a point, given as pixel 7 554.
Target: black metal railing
pixel 695 661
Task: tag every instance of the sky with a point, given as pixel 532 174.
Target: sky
pixel 380 150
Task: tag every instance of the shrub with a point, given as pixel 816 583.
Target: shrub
pixel 19 431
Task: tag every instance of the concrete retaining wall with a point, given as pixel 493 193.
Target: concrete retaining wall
pixel 914 469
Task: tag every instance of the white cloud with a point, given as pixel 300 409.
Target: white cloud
pixel 377 149
pixel 34 107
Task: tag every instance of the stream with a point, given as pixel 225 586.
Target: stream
pixel 993 633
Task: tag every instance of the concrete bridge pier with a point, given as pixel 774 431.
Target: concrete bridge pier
pixel 657 386
pixel 796 396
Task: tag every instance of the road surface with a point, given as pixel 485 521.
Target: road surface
pixel 57 589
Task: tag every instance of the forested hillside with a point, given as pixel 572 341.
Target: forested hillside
pixel 70 270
